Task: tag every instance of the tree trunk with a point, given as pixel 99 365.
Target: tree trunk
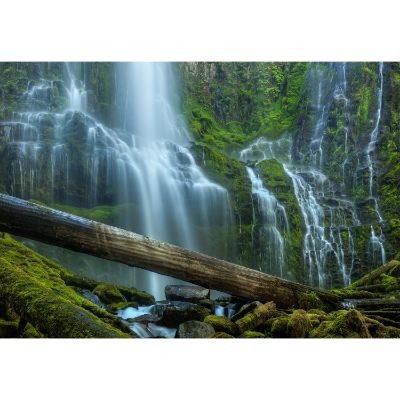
pixel 50 226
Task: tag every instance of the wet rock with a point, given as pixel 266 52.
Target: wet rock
pixel 194 329
pixel 144 319
pixel 209 304
pixel 88 295
pixel 192 294
pixel 175 315
pixel 245 310
pixel 222 324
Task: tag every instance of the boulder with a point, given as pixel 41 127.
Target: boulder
pixel 342 324
pixel 222 324
pixel 257 317
pixel 108 293
pixel 175 314
pixel 192 294
pixel 194 329
pixel 245 310
pixel 299 324
pixel 279 327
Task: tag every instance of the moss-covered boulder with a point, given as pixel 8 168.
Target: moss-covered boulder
pixel 222 324
pixel 256 317
pixel 342 324
pixel 138 296
pixel 299 324
pixel 279 327
pixel 108 293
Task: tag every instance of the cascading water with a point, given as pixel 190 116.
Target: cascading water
pixel 376 244
pixel 273 218
pixel 328 213
pixel 145 169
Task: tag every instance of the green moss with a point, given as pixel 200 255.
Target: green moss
pixel 310 300
pixel 30 332
pixel 228 104
pixel 105 214
pixel 221 335
pixel 134 295
pixel 33 286
pixel 8 329
pixel 115 307
pixel 108 293
pixel 221 324
pixel 256 317
pixel 279 327
pixel 384 279
pixel 299 324
pixel 342 324
pixel 252 335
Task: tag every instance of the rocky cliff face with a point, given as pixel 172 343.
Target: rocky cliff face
pixel 341 122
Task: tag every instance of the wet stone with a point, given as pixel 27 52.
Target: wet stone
pixel 194 329
pixel 192 294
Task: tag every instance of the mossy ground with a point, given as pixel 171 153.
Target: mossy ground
pixel 36 288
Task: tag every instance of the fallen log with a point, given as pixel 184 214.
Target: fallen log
pixel 58 228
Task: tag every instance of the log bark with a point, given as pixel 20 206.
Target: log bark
pixel 57 228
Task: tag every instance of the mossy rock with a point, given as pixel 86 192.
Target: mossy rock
pixel 299 324
pixel 221 324
pixel 108 293
pixel 347 293
pixel 173 316
pixel 222 335
pixel 115 307
pixel 342 324
pixel 279 327
pixel 30 332
pixel 256 317
pixel 132 294
pixel 8 329
pixel 252 335
pixel 379 330
pixel 310 300
pixel 385 279
pixel 33 287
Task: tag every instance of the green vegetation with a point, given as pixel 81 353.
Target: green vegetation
pixel 33 287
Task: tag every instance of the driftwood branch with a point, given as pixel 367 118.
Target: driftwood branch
pixel 57 228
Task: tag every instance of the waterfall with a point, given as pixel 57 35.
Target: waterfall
pixel 273 219
pixel 327 213
pixel 145 166
pixel 376 243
